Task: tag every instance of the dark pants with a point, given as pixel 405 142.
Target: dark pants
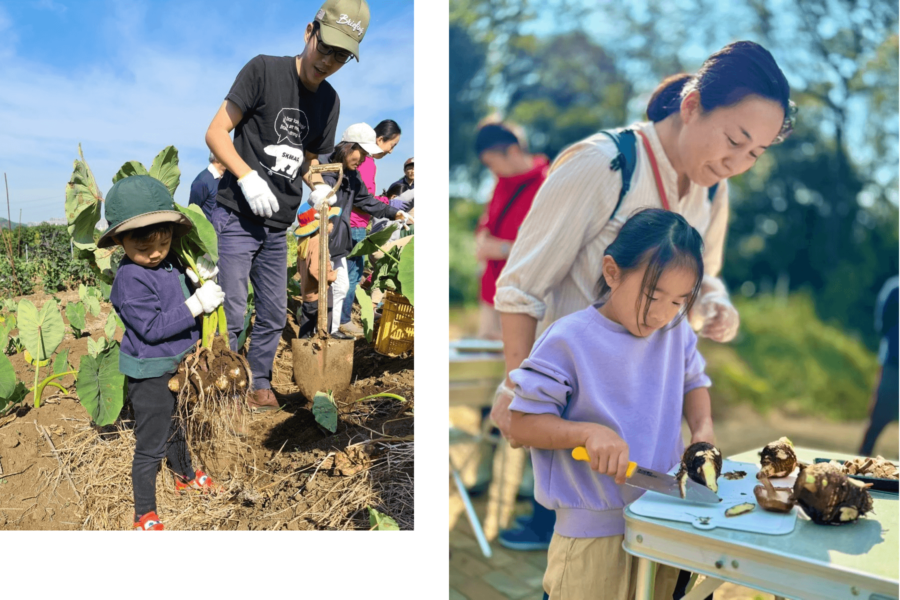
pixel 885 409
pixel 248 250
pixel 158 436
pixel 354 272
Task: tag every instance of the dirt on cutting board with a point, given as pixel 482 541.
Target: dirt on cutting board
pixel 59 471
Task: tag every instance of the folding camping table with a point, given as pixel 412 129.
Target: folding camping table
pixel 814 562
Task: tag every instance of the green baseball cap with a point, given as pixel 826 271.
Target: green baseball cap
pixel 138 201
pixel 343 23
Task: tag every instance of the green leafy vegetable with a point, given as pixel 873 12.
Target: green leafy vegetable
pixel 165 168
pixel 61 362
pixel 7 377
pixel 372 243
pixel 407 271
pixel 110 328
pixel 41 332
pixel 100 386
pixel 325 411
pixel 75 314
pixel 381 522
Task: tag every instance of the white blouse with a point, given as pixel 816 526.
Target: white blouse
pixel 554 266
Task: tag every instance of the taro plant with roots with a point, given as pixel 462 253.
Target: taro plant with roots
pixel 393 271
pixel 209 378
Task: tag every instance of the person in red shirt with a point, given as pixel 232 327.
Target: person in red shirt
pixel 519 175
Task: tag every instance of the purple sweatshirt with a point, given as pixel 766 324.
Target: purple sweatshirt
pixel 588 368
pixel 159 327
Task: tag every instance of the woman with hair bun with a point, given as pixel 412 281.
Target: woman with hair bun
pixel 702 130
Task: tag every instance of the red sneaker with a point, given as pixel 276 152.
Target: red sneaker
pixel 149 522
pixel 201 482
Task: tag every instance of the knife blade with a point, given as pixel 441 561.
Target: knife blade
pixel 663 483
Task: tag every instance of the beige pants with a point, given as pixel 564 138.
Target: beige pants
pixel 598 569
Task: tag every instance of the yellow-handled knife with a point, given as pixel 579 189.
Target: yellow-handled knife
pixel 647 479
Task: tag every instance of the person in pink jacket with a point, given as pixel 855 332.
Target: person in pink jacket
pixel 387 136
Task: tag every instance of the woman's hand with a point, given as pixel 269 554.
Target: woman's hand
pixel 720 317
pixel 488 247
pixel 608 452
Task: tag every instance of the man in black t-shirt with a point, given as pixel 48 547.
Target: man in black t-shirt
pixel 284 114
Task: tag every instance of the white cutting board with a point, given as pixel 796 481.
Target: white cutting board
pixel 661 506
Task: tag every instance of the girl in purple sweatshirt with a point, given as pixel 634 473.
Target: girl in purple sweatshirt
pixel 615 378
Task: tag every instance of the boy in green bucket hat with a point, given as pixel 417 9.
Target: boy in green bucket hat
pixel 159 310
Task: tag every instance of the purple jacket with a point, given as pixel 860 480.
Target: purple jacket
pixel 590 369
pixel 159 327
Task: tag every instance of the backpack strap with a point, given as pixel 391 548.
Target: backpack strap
pixel 626 145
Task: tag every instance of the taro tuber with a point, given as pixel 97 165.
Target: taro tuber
pixel 777 459
pixel 773 499
pixel 829 497
pixel 702 462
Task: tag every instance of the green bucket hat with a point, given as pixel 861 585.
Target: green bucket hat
pixel 138 201
pixel 343 23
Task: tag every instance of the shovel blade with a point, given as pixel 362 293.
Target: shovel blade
pixel 322 364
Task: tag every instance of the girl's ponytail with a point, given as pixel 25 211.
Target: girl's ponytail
pixel 666 98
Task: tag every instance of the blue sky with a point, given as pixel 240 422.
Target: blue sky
pixel 127 78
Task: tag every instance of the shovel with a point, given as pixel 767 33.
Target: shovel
pixel 322 363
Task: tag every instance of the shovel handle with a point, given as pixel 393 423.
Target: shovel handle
pixel 581 453
pixel 324 261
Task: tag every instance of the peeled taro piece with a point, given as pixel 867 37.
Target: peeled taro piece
pixel 829 497
pixel 777 459
pixel 773 499
pixel 702 462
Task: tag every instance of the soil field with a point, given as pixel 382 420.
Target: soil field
pixel 58 471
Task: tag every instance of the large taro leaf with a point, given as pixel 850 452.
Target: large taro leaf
pixel 18 394
pixel 75 314
pixel 132 167
pixel 372 242
pixel 7 377
pixel 366 312
pixel 325 411
pixel 83 200
pixel 41 332
pixel 381 522
pixel 202 237
pixel 100 385
pixel 407 271
pixel 165 168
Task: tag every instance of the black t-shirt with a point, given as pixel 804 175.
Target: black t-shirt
pixel 281 120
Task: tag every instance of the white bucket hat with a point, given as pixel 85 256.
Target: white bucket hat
pixel 364 135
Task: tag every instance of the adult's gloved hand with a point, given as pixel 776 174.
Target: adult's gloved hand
pixel 404 218
pixel 205 300
pixel 720 317
pixel 206 268
pixel 262 201
pixel 319 195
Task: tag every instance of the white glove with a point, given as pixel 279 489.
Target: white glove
pixel 317 196
pixel 714 313
pixel 207 268
pixel 405 219
pixel 262 201
pixel 206 299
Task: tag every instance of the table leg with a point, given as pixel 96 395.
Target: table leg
pixel 703 589
pixel 644 586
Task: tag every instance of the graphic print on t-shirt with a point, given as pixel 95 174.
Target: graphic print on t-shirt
pixel 287 160
pixel 291 126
